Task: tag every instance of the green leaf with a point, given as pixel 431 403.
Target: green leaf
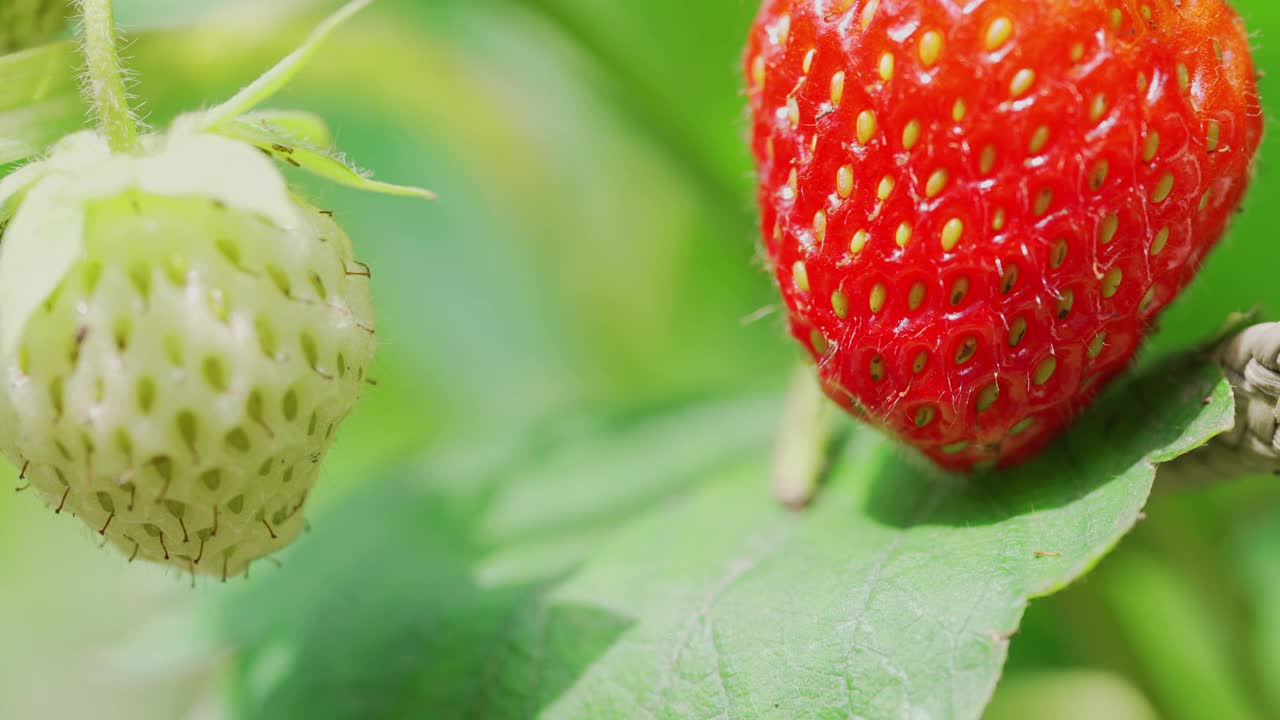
pixel 292 137
pixel 39 99
pixel 1192 669
pixel 640 569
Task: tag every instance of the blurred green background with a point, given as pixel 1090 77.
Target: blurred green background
pixel 594 248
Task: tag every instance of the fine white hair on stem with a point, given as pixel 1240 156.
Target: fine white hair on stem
pixel 105 81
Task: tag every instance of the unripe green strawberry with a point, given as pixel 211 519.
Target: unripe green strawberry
pixel 180 338
pixel 24 23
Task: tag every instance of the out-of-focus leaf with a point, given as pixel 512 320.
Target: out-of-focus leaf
pixel 685 91
pixel 1174 637
pixel 1068 695
pixel 25 23
pixel 39 99
pixel 130 653
pixel 641 570
pixel 1258 554
pixel 137 15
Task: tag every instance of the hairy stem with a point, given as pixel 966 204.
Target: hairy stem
pixel 105 83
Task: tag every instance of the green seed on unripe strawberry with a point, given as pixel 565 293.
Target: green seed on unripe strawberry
pixel 178 380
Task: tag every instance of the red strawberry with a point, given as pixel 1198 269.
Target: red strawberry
pixel 975 209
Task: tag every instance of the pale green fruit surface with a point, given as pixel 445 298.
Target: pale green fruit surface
pixel 177 351
pixel 24 23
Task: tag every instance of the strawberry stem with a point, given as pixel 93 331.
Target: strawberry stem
pixel 104 84
pixel 800 456
pixel 1250 360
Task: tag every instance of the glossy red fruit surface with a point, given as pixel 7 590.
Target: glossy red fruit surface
pixel 975 209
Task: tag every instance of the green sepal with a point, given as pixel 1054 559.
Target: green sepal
pixel 45 236
pixel 297 138
pixel 299 127
pixel 289 142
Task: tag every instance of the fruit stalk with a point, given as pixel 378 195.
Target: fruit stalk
pixel 105 76
pixel 1251 361
pixel 801 452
